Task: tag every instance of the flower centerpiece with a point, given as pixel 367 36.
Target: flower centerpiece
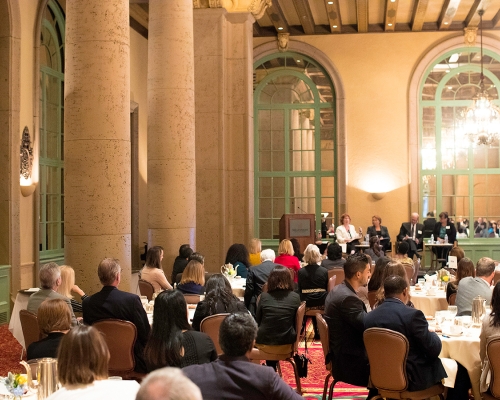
pixel 443 276
pixel 229 270
pixel 16 384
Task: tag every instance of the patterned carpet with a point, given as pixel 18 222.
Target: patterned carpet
pixel 312 386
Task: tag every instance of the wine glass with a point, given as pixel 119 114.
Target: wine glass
pixel 452 310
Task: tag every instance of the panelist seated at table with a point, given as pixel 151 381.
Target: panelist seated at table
pixel 470 287
pixel 346 233
pixel 444 231
pixel 381 231
pixel 423 366
pixel 412 232
pixel 333 257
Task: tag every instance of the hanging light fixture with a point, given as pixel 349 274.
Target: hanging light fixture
pixel 482 118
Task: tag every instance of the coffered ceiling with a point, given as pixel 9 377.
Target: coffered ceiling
pixel 333 17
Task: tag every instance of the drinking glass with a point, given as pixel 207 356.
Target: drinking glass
pixel 440 317
pixel 144 300
pixel 452 310
pixel 467 321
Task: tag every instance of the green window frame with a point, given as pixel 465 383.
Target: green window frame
pixel 456 175
pixel 295 154
pixel 51 228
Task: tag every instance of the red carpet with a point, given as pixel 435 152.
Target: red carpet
pixel 10 352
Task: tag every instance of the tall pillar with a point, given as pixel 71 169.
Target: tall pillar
pixel 97 138
pixel 171 134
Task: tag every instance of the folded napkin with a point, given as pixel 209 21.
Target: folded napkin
pixel 451 368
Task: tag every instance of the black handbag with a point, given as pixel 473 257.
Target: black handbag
pixel 301 361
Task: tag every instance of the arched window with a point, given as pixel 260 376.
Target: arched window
pixel 294 123
pixel 456 175
pixel 51 133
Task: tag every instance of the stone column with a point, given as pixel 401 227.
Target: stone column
pixel 97 138
pixel 171 134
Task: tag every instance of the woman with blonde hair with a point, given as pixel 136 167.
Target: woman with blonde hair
pixel 82 368
pixel 287 259
pixel 68 286
pixel 152 271
pixel 254 249
pixel 193 279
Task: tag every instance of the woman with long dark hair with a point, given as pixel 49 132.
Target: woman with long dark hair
pixel 172 341
pixel 378 273
pixel 219 299
pixel 152 270
pixel 465 268
pixel 374 250
pixel 237 254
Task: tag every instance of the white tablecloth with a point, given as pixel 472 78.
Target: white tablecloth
pixel 465 350
pixel 238 286
pixel 15 328
pixel 429 304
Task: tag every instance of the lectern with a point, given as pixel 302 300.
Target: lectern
pixel 300 227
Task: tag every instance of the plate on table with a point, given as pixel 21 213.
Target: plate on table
pixel 446 333
pixel 30 290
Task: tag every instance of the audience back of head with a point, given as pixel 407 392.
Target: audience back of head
pixel 197 257
pixel 378 273
pixel 194 272
pixel 237 334
pixel 280 278
pixel 67 281
pixel 108 271
pixel 153 257
pixel 334 251
pixel 394 285
pixel 485 267
pixel 185 251
pixel 457 252
pixel 465 268
pixel 49 274
pixel 267 254
pixel 312 255
pixel 168 384
pixel 53 315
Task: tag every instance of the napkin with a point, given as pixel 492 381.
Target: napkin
pixel 451 368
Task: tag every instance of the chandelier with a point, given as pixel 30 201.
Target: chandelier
pixel 482 118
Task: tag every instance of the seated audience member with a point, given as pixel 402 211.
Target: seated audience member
pixel 457 252
pixel 286 257
pixel 412 232
pixel 275 315
pixel 54 320
pixel 423 366
pixel 82 368
pixel 313 282
pixel 219 299
pixel 233 376
pixel 50 281
pixel 181 261
pixel 393 268
pixel 346 233
pixel 193 279
pixel 257 277
pixel 152 271
pixel 297 253
pixel 345 314
pixel 479 227
pixel 333 257
pixel 378 273
pixel 471 287
pixel 442 229
pixel 68 286
pixel 461 226
pixel 381 232
pixel 111 302
pixel 173 343
pixel 402 257
pixel 254 250
pixel 168 384
pixel 465 268
pixel 491 324
pixel 237 254
pixel 374 250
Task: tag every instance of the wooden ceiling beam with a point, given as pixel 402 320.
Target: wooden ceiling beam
pixel 305 16
pixel 391 10
pixel 472 19
pixel 139 14
pixel 278 19
pixel 418 16
pixel 448 12
pixel 333 12
pixel 495 22
pixel 362 15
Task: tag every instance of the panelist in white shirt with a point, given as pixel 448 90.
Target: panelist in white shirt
pixel 346 233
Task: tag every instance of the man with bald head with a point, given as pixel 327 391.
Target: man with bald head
pixel 412 232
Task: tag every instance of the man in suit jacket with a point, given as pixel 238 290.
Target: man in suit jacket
pixel 345 313
pixel 413 233
pixel 232 376
pixel 113 303
pixel 423 366
pixel 429 224
pixel 50 280
pixel 256 278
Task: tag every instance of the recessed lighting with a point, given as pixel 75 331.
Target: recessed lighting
pixel 389 24
pixel 298 61
pixel 393 1
pixel 334 26
pixel 280 28
pixel 450 87
pixel 330 2
pixel 446 23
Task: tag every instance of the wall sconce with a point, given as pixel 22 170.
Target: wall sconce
pixel 378 196
pixel 26 164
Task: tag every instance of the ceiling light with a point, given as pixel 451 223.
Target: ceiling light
pixel 330 2
pixel 450 87
pixel 389 24
pixel 446 23
pixel 334 26
pixel 393 1
pixel 280 28
pixel 298 61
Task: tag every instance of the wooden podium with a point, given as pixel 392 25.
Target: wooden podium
pixel 299 226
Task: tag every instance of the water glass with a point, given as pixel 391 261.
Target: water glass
pixel 144 300
pixel 440 315
pixel 452 310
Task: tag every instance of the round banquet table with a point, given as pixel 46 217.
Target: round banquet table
pixel 238 286
pixel 429 304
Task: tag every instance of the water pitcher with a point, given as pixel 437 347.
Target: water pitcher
pixel 48 381
pixel 478 309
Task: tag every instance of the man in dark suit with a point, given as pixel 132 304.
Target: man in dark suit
pixel 429 224
pixel 345 313
pixel 413 233
pixel 423 366
pixel 233 376
pixel 113 303
pixel 256 278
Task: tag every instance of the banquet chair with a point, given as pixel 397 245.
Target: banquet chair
pixel 325 344
pixel 120 336
pixel 29 325
pixel 452 299
pixel 387 353
pixel 372 298
pixel 339 273
pixel 210 325
pixel 493 352
pixel 146 289
pixel 331 282
pixel 410 272
pixel 256 355
pixel 192 298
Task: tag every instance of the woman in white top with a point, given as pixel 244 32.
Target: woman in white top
pixel 83 369
pixel 346 233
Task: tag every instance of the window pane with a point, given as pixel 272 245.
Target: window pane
pixel 265 229
pixel 429 138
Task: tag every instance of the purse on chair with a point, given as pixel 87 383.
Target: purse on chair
pixel 301 361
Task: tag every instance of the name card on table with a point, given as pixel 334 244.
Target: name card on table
pixel 452 262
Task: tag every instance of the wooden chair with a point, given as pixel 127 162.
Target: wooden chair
pixel 146 289
pixel 210 325
pixel 410 271
pixel 493 352
pixel 258 355
pixel 387 353
pixel 120 337
pixel 325 344
pixel 331 282
pixel 338 273
pixel 29 325
pixel 452 299
pixel 192 298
